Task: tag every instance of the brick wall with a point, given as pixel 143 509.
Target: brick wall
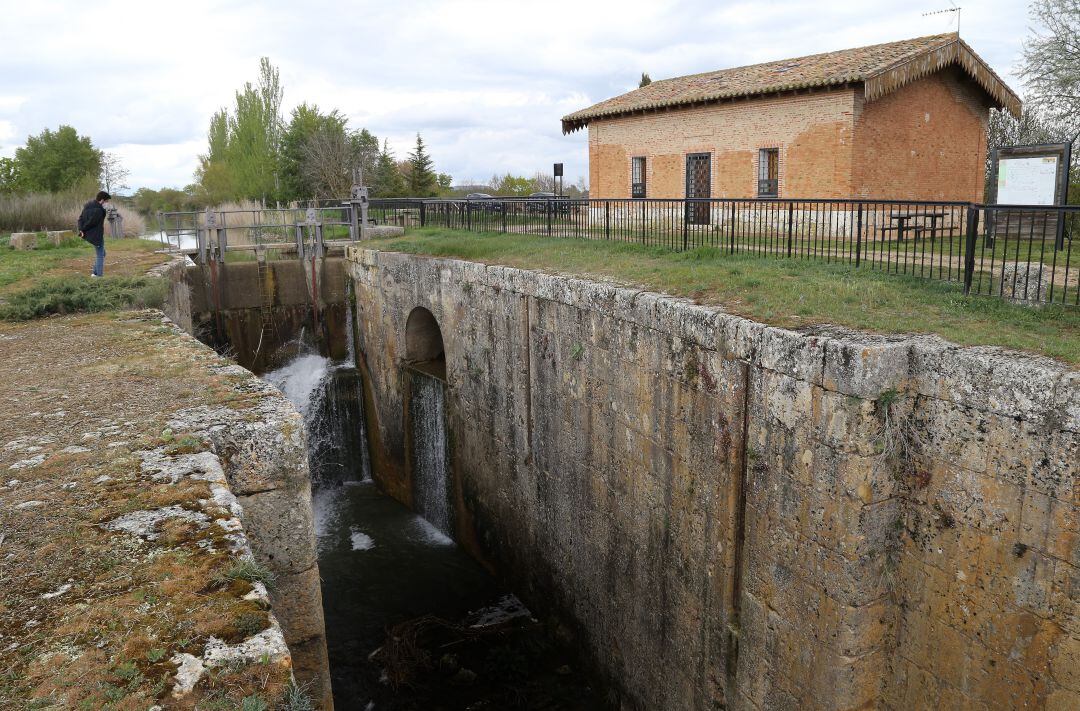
pixel 814 127
pixel 926 141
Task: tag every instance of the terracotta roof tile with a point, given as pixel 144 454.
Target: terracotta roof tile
pixel 892 65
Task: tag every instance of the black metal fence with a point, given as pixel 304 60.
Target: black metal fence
pixel 1024 253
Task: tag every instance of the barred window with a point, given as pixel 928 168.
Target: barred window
pixel 768 172
pixel 637 180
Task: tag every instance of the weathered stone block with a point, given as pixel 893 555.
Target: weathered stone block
pixel 57 238
pixel 1026 281
pixel 296 596
pixel 24 240
pixel 866 366
pixel 281 531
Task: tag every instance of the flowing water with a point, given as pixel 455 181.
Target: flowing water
pixel 427 416
pixel 389 574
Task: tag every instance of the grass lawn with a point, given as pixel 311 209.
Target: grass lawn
pixel 53 279
pixel 791 293
pixel 124 257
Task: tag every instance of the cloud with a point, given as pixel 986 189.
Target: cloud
pixel 484 82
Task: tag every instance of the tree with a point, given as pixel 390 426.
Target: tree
pixel 1051 63
pixel 388 180
pixel 1032 127
pixel 422 180
pixel 1004 129
pixel 255 133
pixel 243 146
pixel 329 156
pixel 645 80
pixel 511 185
pixel 303 123
pixel 366 149
pixel 113 173
pixel 10 180
pixel 54 161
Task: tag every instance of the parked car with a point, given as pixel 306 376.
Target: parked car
pixel 488 203
pixel 560 205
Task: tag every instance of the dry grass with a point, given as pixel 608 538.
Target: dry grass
pixel 37 212
pixel 108 384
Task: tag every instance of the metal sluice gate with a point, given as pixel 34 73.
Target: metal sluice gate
pixel 304 232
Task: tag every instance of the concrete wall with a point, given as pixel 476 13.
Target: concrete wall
pixel 732 513
pixel 252 310
pixel 264 454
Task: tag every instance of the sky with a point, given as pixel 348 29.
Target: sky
pixel 485 83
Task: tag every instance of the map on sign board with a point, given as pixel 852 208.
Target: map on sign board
pixel 1027 181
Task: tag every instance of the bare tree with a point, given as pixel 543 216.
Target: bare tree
pixel 1051 64
pixel 113 173
pixel 1032 127
pixel 327 160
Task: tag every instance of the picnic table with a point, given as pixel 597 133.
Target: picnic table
pixel 901 220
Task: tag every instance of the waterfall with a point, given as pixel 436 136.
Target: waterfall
pixel 329 396
pixel 427 415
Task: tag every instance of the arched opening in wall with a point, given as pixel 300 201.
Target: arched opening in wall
pixel 424 343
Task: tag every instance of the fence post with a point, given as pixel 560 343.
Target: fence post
pixel 969 246
pixel 685 223
pixel 643 222
pixel 423 213
pixel 858 237
pixel 790 219
pixel 732 227
pixel 607 219
pixel 468 215
pixel 548 201
pixel 502 209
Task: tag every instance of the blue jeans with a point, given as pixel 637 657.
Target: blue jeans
pixel 99 260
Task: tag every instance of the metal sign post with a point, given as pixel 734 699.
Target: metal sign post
pixel 557 182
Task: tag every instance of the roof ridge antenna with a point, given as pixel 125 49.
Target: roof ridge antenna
pixel 955 8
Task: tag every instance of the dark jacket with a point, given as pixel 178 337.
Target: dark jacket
pixel 92 223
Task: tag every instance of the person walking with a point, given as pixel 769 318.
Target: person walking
pixel 92 229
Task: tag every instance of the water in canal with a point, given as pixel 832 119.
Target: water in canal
pixel 412 621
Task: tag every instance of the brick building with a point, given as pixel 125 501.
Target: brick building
pixel 902 120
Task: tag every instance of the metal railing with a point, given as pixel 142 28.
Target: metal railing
pixel 1023 253
pixel 213 232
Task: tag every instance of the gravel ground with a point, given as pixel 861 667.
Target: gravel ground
pixel 113 575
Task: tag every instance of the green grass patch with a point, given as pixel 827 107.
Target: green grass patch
pixel 780 291
pixel 68 295
pixel 73 255
pixel 247 569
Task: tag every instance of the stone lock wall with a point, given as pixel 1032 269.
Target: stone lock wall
pixel 730 513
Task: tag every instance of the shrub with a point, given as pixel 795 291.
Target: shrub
pixel 247 569
pixel 69 295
